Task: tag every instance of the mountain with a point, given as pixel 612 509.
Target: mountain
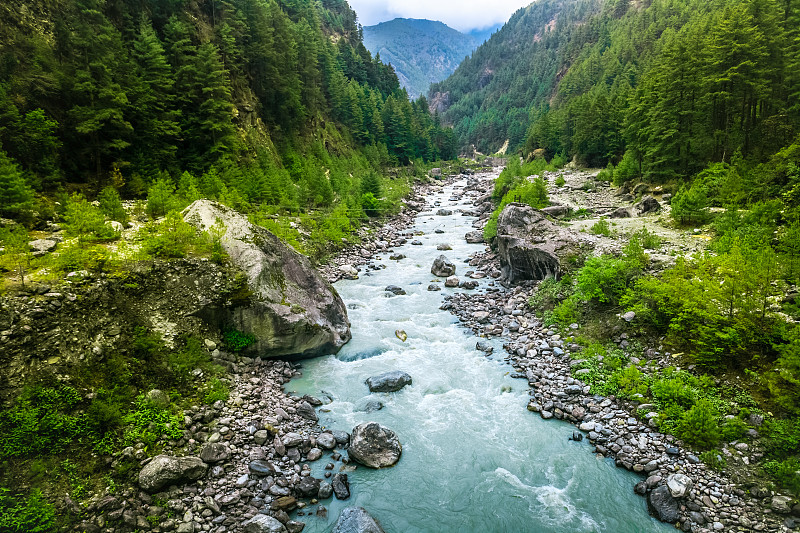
pixel 421 51
pixel 668 86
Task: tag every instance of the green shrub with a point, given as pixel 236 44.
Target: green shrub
pixel 733 429
pixel 601 227
pixel 111 205
pixel 147 423
pixel 161 197
pixel 648 240
pixel 85 221
pixel 31 514
pixel 714 460
pixel 627 169
pixel 76 257
pixel 236 341
pixel 216 390
pixel 786 473
pixel 607 174
pixel 699 427
pixel 172 238
pixel 690 205
pixel 560 181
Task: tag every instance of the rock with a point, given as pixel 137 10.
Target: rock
pixel 443 247
pixel 444 212
pixel 326 441
pixel 215 452
pixel 394 289
pixel 452 281
pixel 621 212
pixel 348 272
pixel 305 410
pixel 781 504
pixel 374 445
pixel 556 211
pixel 314 454
pixel 648 204
pixel 531 247
pixel 284 503
pixel 369 406
pixel 292 310
pixel 679 485
pixel 484 347
pixel 434 288
pixel 662 505
pixel 292 439
pixel 356 520
pixel 42 246
pixel 341 487
pixel 158 398
pixel 400 334
pixel 325 490
pixel 443 267
pixel 629 316
pixel 262 523
pixel 261 467
pixel 308 487
pixel 165 470
pixel 474 237
pixel 389 381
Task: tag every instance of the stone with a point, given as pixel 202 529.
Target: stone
pixel 474 237
pixel 42 246
pixel 292 439
pixel 394 289
pixel 356 520
pixel 215 452
pixel 556 211
pixel 314 454
pixel 341 487
pixel 444 212
pixel 261 467
pixel 443 267
pixel 781 504
pixel 284 503
pixel 305 410
pixel 158 398
pixel 434 288
pixel 292 310
pixel 374 445
pixel 348 272
pixel 679 485
pixel 662 505
pixel 452 281
pixel 647 205
pixel 629 316
pixel 389 381
pixel 308 487
pixel 369 405
pixel 400 334
pixel 325 490
pixel 326 441
pixel 531 247
pixel 443 247
pixel 164 470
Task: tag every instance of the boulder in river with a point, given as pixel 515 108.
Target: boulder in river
pixel 341 487
pixel 374 445
pixel 164 470
pixel 289 308
pixel 394 289
pixel 443 267
pixel 530 246
pixel 356 520
pixel 444 212
pixel 474 237
pixel 262 523
pixel 389 381
pixel 452 281
pixel 662 505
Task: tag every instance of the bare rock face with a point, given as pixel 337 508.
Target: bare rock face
pixel 374 445
pixel 165 470
pixel 356 520
pixel 292 310
pixel 530 246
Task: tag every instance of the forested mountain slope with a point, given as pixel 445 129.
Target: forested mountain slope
pixel 277 102
pixel 675 84
pixel 421 51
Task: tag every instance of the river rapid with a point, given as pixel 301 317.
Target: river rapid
pixel 474 458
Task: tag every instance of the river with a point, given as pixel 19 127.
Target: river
pixel 474 458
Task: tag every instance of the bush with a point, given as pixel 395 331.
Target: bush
pixel 172 238
pixel 236 341
pixel 85 221
pixel 560 181
pixel 111 205
pixel 733 429
pixel 601 227
pixel 689 206
pixel 147 423
pixel 714 460
pixel 627 169
pixel 31 514
pixel 785 473
pixel 699 427
pixel 161 197
pixel 648 240
pixel 217 390
pixel 607 174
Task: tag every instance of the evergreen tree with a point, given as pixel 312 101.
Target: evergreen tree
pixel 15 194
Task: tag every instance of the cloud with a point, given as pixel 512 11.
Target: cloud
pixel 462 15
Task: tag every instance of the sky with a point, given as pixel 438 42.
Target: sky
pixel 463 15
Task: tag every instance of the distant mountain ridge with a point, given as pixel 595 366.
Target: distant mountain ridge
pixel 421 51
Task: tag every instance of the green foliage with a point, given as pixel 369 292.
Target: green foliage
pixel 785 473
pixel 111 205
pixel 172 238
pixel 16 195
pixel 21 514
pixel 236 341
pixel 16 250
pixel 85 221
pixel 161 197
pixel 147 423
pixel 607 174
pixel 648 240
pixel 627 169
pixel 216 390
pixel 699 427
pixel 714 460
pixel 689 206
pixel 601 227
pixel 560 181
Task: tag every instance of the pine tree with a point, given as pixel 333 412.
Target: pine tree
pixel 15 194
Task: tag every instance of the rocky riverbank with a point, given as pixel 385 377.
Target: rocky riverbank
pixel 679 488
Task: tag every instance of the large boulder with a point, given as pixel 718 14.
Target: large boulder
pixel 530 246
pixel 165 470
pixel 292 310
pixel 443 267
pixel 356 520
pixel 389 381
pixel 374 445
pixel 662 505
pixel 679 485
pixel 474 237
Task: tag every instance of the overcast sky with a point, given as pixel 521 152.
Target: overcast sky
pixel 463 15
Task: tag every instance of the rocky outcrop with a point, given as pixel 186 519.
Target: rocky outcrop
pixel 389 381
pixel 374 445
pixel 292 311
pixel 164 471
pixel 443 267
pixel 662 505
pixel 531 247
pixel 356 520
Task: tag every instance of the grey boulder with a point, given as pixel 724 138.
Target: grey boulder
pixel 262 523
pixel 215 452
pixel 374 445
pixel 474 237
pixel 443 267
pixel 389 381
pixel 290 310
pixel 662 505
pixel 356 520
pixel 165 470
